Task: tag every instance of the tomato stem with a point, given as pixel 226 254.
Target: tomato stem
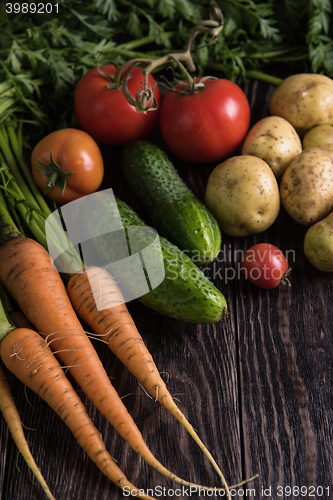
pixel 56 176
pixel 144 100
pixel 285 281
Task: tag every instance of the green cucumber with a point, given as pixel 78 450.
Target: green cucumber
pixel 176 212
pixel 185 292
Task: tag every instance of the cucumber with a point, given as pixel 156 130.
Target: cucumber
pixel 185 292
pixel 176 212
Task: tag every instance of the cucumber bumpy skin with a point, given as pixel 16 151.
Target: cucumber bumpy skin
pixel 185 292
pixel 176 212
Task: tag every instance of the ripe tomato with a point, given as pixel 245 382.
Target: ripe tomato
pixel 208 125
pixel 265 265
pixel 104 112
pixel 75 153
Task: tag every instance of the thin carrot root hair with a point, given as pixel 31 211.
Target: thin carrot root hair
pixel 38 369
pixel 28 275
pixel 12 417
pixel 98 301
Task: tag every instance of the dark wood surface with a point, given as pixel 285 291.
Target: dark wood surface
pixel 257 386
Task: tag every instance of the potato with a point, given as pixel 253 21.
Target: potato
pixel 318 244
pixel 320 136
pixel 274 140
pixel 243 195
pixel 305 100
pixel 306 187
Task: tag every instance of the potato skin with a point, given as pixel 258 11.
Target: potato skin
pixel 320 136
pixel 305 100
pixel 318 244
pixel 243 195
pixel 274 140
pixel 306 187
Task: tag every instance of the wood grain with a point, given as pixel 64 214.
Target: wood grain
pixel 257 386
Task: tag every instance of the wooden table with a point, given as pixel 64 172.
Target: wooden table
pixel 257 386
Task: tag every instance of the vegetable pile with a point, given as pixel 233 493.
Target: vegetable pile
pixel 60 102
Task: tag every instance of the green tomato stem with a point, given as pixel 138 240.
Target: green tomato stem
pixel 213 26
pixel 56 176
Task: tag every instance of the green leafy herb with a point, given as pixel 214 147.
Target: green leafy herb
pixel 42 59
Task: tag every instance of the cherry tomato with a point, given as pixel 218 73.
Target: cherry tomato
pixel 265 265
pixel 105 113
pixel 73 152
pixel 205 126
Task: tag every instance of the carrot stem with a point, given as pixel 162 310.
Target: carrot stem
pixel 16 143
pixel 5 326
pixel 17 201
pixel 10 161
pixel 7 223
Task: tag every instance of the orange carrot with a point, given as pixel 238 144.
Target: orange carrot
pixel 27 355
pixel 12 417
pixel 98 301
pixel 27 273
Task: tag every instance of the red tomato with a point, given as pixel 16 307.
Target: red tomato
pixel 208 125
pixel 106 114
pixel 73 151
pixel 265 265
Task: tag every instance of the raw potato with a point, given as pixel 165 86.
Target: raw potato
pixel 243 195
pixel 318 244
pixel 320 136
pixel 305 100
pixel 274 140
pixel 306 187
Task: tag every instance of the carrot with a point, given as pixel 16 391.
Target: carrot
pixel 27 355
pixel 12 417
pixel 27 273
pixel 7 403
pixel 98 301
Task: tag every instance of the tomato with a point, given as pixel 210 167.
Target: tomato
pixel 75 153
pixel 105 113
pixel 265 265
pixel 205 126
